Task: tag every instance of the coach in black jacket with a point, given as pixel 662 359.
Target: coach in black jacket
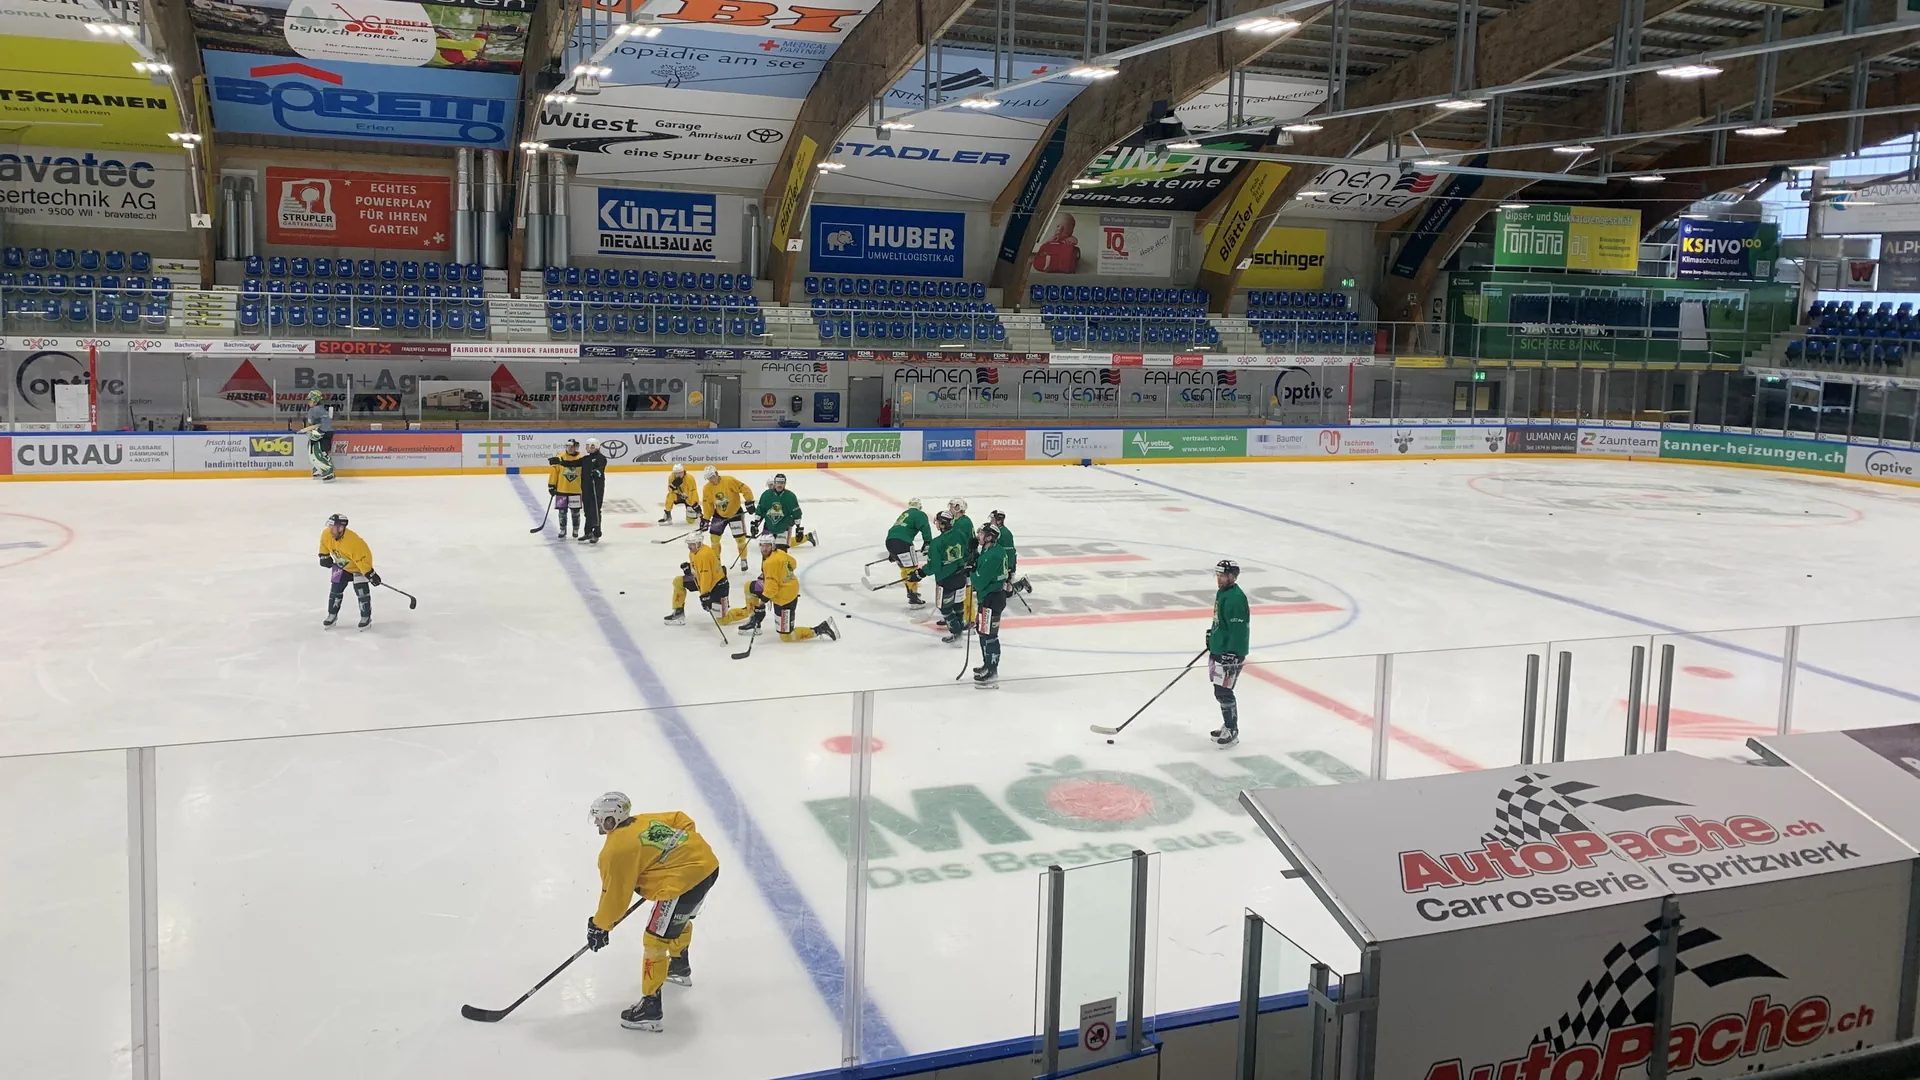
pixel 593 487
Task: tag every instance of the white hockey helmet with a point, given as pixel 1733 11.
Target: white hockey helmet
pixel 610 810
pixel 768 540
pixel 710 474
pixel 913 504
pixel 958 506
pixel 696 538
pixel 679 470
pixel 593 444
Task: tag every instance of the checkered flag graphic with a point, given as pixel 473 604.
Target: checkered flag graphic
pixel 1628 993
pixel 1532 808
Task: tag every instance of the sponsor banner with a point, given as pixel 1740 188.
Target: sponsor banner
pixel 1020 216
pixel 1225 238
pixel 206 346
pixel 1288 259
pixel 1752 450
pixel 45 186
pixel 82 95
pixel 1365 189
pixel 940 445
pixel 1000 445
pixel 966 154
pixel 1744 250
pixel 516 351
pixel 1883 464
pixel 1876 208
pixel 838 446
pixel 1857 275
pixel 336 208
pixel 1286 441
pixel 656 224
pixel 278 386
pixel 242 452
pixel 383 348
pixel 721 140
pixel 1435 218
pixel 58 18
pixel 880 240
pixel 1073 444
pixel 1568 238
pixel 1183 442
pixel 1123 245
pixel 1544 440
pixel 530 450
pixel 338 99
pixel 790 193
pixel 44 455
pixel 393 32
pixel 1445 441
pixel 792 390
pixel 1899 261
pixel 1618 442
pixel 397 449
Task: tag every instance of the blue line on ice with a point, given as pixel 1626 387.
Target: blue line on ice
pixel 804 930
pixel 1495 579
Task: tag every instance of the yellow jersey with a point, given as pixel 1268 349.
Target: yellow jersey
pixel 707 569
pixel 683 489
pixel 779 584
pixel 725 498
pixel 348 550
pixel 564 478
pixel 656 856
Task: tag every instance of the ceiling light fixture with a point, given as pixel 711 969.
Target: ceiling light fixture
pixel 1809 168
pixel 1431 163
pixel 184 138
pixel 534 147
pixel 1084 181
pixel 1573 150
pixel 1689 71
pixel 1309 194
pixel 561 99
pixel 1184 144
pixel 1304 127
pixel 896 125
pixel 1268 26
pixel 1760 131
pixel 1649 178
pixel 633 29
pixel 1460 105
pixel 150 67
pixel 109 29
pixel 979 103
pixel 832 166
pixel 1086 71
pixel 1516 206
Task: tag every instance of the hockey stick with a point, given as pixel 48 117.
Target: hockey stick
pixel 494 1016
pixel 752 636
pixel 888 585
pixel 967 631
pixel 716 626
pixel 412 600
pixel 1101 730
pixel 682 536
pixel 544 515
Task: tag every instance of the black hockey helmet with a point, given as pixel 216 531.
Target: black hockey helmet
pixel 1227 567
pixel 998 517
pixel 336 519
pixel 779 478
pixel 989 533
pixel 944 520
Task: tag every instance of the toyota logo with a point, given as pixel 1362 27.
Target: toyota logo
pixel 766 135
pixel 615 449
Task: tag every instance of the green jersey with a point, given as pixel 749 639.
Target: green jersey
pixel 990 571
pixel 778 510
pixel 1228 634
pixel 1013 557
pixel 963 525
pixel 913 522
pixel 947 555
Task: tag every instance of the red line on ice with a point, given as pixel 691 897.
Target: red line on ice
pixel 1100 617
pixel 1347 712
pixel 840 475
pixel 1064 560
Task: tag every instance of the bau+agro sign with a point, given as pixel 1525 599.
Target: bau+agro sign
pixel 1753 450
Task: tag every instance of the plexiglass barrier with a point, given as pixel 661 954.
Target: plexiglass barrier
pixel 315 905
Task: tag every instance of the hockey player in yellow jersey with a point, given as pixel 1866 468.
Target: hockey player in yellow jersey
pixel 778 586
pixel 351 561
pixel 659 857
pixel 723 504
pixel 682 490
pixel 704 576
pixel 563 484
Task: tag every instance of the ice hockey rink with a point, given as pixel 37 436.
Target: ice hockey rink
pixel 360 831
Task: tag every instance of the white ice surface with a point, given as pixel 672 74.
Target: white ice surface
pixel 327 902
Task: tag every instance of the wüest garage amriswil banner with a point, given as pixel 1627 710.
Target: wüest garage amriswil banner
pixel 1517 909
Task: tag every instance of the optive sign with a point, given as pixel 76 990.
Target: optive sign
pixel 342 100
pixel 877 240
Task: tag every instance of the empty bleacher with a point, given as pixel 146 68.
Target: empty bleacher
pixel 695 305
pixel 289 296
pixel 82 289
pixel 1308 320
pixel 1083 315
pixel 1840 333
pixel 910 311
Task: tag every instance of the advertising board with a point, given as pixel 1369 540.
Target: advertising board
pixel 843 446
pixel 397 450
pixel 341 99
pixel 1753 450
pixel 1568 238
pixel 882 240
pixel 529 450
pixel 1240 217
pixel 1618 442
pixel 338 208
pixel 106 189
pixel 1073 444
pixel 1366 188
pixel 941 444
pixel 1183 442
pixel 242 452
pixel 82 95
pixel 1745 250
pixel 1288 258
pixel 1544 440
pixel 1122 245
pixel 91 454
pixel 1884 463
pixel 637 223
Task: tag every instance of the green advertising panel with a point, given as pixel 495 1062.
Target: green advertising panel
pixel 1753 450
pixel 1184 442
pixel 1568 238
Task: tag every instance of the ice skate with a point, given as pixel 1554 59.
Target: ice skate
pixel 678 618
pixel 644 1015
pixel 952 636
pixel 828 630
pixel 366 621
pixel 665 519
pixel 742 565
pixel 332 617
pixel 914 600
pixel 988 676
pixel 1226 736
pixel 680 970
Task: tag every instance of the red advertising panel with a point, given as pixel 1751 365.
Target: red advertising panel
pixel 335 208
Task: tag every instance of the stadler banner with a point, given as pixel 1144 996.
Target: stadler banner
pixel 335 208
pixel 1568 238
pixel 1743 250
pixel 656 224
pixel 100 189
pixel 879 240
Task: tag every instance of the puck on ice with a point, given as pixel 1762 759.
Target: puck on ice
pixel 1109 742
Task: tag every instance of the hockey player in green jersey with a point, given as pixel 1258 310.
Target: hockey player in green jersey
pixel 947 565
pixel 1015 583
pixel 1227 641
pixel 779 514
pixel 957 510
pixel 911 523
pixel 989 581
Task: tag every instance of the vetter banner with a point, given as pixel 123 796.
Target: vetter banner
pixel 336 99
pixel 878 240
pixel 106 189
pixel 335 208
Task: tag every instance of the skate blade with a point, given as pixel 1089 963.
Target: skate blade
pixel 644 1025
pixel 680 980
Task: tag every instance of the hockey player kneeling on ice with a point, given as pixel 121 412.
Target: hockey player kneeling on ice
pixel 723 505
pixel 682 490
pixel 662 858
pixel 1227 647
pixel 989 583
pixel 779 514
pixel 703 576
pixel 911 523
pixel 343 552
pixel 947 565
pixel 563 483
pixel 779 587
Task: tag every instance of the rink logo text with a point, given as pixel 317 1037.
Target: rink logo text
pixel 276 446
pixel 1112 812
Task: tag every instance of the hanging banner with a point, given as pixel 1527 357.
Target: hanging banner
pixel 1288 259
pixel 397 32
pixel 1223 241
pixel 1432 222
pixel 115 190
pixel 1899 261
pixel 334 99
pixel 1568 238
pixel 1366 189
pixel 880 240
pixel 58 18
pixel 1020 218
pixel 1116 245
pixel 731 141
pixel 1742 250
pixel 334 208
pixel 656 224
pixel 1876 208
pixel 796 183
pixel 83 95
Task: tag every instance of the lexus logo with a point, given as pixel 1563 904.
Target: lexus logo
pixel 766 135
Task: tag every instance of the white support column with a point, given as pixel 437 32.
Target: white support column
pixel 143 907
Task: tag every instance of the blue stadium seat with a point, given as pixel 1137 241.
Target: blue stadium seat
pixel 255 265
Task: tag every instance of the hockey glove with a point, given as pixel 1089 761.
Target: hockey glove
pixel 552 491
pixel 373 578
pixel 754 620
pixel 753 527
pixel 914 576
pixel 326 561
pixel 596 937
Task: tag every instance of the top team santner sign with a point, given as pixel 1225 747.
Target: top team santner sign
pixel 1409 858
